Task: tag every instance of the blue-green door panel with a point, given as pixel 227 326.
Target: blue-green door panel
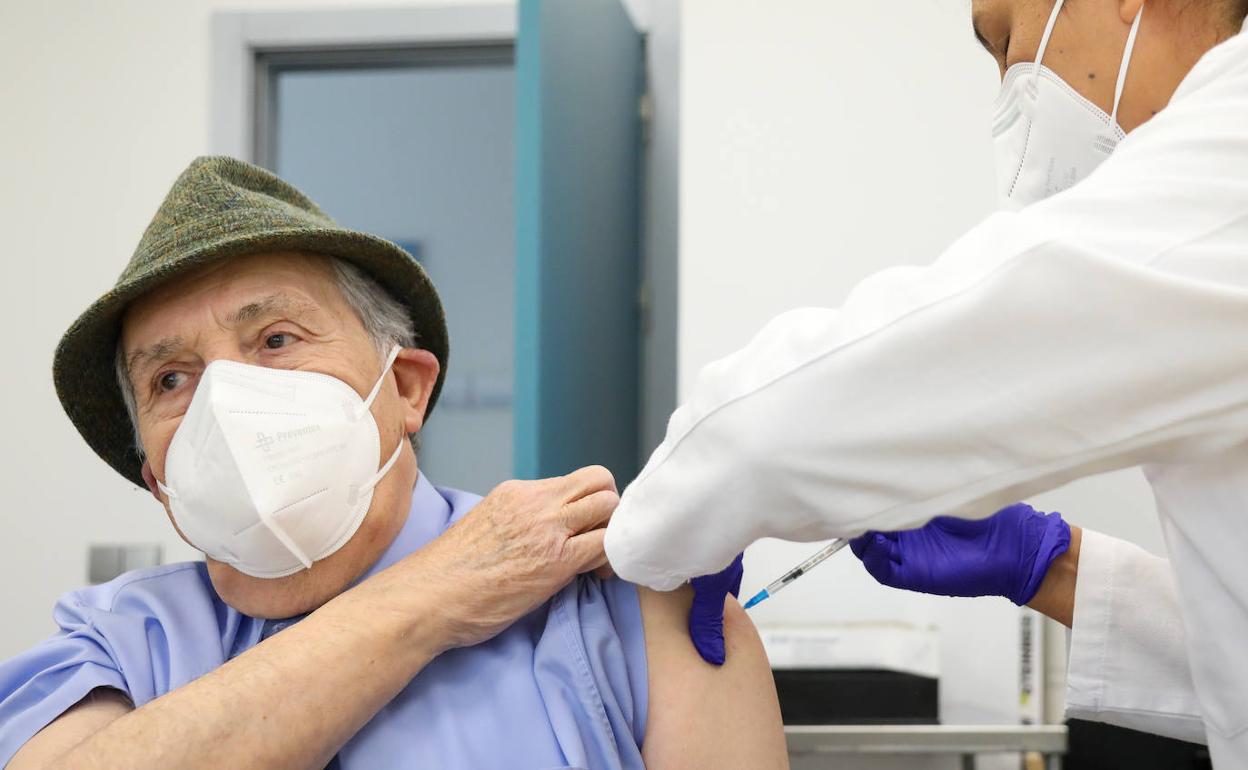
pixel 579 70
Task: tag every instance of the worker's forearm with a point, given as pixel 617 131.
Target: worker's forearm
pixel 291 701
pixel 1056 597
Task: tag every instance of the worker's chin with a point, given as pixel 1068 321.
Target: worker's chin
pixel 283 597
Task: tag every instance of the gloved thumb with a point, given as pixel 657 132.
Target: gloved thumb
pixel 706 614
pixel 879 553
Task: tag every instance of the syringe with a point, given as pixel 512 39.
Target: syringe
pixel 798 571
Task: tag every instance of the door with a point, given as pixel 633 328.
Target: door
pixel 416 145
pixel 579 81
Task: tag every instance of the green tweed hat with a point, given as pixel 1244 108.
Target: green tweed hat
pixel 217 209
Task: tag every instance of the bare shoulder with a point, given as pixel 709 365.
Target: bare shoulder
pixel 93 713
pixel 703 715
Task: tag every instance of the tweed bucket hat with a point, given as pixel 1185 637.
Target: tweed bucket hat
pixel 219 208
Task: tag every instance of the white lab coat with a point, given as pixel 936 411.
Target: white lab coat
pixel 1102 328
pixel 1128 661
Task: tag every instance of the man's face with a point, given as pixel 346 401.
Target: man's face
pixel 1088 40
pixel 280 310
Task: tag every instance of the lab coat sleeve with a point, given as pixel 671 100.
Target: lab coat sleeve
pixel 1128 663
pixel 1101 328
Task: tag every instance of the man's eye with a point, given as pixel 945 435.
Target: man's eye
pixel 170 381
pixel 279 340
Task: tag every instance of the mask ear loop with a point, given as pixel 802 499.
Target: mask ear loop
pixel 1044 44
pixel 372 394
pixel 1126 62
pixel 394 456
pixel 367 486
pixel 1107 142
pixel 353 494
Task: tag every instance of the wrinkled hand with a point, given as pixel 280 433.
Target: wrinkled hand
pixel 706 615
pixel 517 548
pixel 1006 554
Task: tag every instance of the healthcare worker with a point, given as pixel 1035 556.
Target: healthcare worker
pixel 1099 322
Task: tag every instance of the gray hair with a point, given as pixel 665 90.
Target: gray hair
pixel 385 320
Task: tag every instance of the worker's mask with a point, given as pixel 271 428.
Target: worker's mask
pixel 273 469
pixel 1048 137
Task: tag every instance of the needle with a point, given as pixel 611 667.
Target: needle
pixel 774 587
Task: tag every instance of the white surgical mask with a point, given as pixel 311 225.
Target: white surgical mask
pixel 273 469
pixel 1047 137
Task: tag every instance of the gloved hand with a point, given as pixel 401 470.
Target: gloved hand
pixel 1006 554
pixel 706 616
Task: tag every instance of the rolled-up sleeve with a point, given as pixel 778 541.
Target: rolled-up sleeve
pixel 1128 662
pixel 143 634
pixel 41 684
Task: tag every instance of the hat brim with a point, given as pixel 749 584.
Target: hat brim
pixel 84 368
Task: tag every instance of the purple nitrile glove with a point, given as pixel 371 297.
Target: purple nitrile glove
pixel 706 616
pixel 1006 554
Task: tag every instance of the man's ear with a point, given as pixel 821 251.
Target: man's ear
pixel 415 372
pixel 1127 9
pixel 149 478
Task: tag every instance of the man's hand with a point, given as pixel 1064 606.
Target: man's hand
pixel 514 550
pixel 1007 554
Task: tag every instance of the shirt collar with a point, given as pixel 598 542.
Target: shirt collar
pixel 428 517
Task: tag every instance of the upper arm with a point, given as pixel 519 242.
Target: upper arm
pixel 702 715
pixel 93 713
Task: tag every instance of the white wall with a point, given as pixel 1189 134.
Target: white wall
pixel 820 142
pixel 103 105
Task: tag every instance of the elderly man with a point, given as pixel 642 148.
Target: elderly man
pixel 261 371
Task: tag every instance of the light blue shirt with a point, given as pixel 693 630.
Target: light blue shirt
pixel 564 687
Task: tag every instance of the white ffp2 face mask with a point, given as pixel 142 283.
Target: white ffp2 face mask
pixel 273 469
pixel 1047 137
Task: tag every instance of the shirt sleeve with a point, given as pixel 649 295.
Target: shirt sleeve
pixel 598 650
pixel 1128 663
pixel 143 634
pixel 41 684
pixel 1099 329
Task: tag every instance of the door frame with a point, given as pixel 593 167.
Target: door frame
pixel 240 39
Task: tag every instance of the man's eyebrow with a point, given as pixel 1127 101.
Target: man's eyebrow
pixel 270 305
pixel 975 24
pixel 153 353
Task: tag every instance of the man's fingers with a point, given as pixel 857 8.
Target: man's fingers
pixel 586 481
pixel 585 551
pixel 590 512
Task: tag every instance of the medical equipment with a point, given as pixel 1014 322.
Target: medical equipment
pixel 774 587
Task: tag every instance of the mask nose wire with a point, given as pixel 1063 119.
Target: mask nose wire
pixel 1126 61
pixel 1044 42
